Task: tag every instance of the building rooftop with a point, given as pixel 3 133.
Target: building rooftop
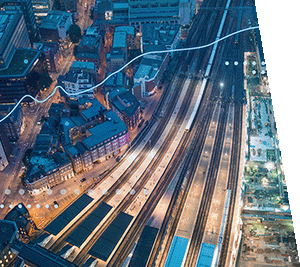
pixel 8 231
pixel 157 34
pixel 83 65
pixel 8 22
pixel 21 63
pixel 119 40
pixel 54 18
pixel 39 256
pixel 128 29
pixel 92 56
pixel 124 101
pixel 89 40
pixel 93 110
pixel 111 127
pixel 4 109
pixel 43 164
pixel 148 68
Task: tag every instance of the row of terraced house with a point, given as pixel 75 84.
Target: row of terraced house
pixel 67 145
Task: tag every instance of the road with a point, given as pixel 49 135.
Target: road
pixel 31 116
pixel 188 151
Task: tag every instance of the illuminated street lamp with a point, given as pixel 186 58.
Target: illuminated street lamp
pixel 221 86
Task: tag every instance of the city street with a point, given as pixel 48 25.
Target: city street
pixel 31 115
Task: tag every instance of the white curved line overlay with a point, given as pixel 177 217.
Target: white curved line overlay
pixel 128 63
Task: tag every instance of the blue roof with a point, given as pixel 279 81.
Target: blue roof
pixel 68 215
pixel 111 127
pixel 119 40
pixel 67 124
pixel 72 150
pixel 128 29
pixel 93 110
pixel 124 101
pixel 85 228
pixel 4 109
pixel 144 246
pixel 39 256
pixel 177 252
pixel 104 246
pixel 78 120
pixel 83 65
pixel 206 255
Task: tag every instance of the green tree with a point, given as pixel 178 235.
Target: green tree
pixel 45 80
pixel 75 33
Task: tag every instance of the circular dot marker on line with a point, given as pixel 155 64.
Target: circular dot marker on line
pixel 49 191
pixel 47 206
pixel 38 206
pixel 28 206
pixel 263 72
pixel 226 63
pixel 91 191
pixel 21 191
pixel 263 63
pixel 104 191
pixel 76 191
pixel 7 191
pixel 245 63
pixel 253 63
pixel 56 206
pixel 146 191
pixel 254 72
pixel 11 206
pixel 20 206
pixel 236 63
pixel 63 191
pixel 35 191
pixel 118 191
pixel 1 206
pixel 132 191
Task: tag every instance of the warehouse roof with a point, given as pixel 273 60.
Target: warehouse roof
pixel 68 215
pixel 100 133
pixel 84 229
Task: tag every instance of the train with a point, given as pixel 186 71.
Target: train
pixel 207 72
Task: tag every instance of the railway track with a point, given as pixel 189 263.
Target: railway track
pixel 146 174
pixel 126 175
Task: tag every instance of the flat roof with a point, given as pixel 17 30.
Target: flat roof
pixel 8 231
pixel 206 255
pixel 144 246
pixel 93 110
pixel 126 102
pixel 83 230
pixel 4 109
pixel 21 62
pixel 177 252
pixel 89 40
pixel 39 256
pixel 128 29
pixel 83 65
pixel 119 40
pixel 105 130
pixel 111 236
pixel 68 215
pixel 54 18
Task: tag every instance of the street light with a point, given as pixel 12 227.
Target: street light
pixel 221 86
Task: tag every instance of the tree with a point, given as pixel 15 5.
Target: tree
pixel 45 80
pixel 75 33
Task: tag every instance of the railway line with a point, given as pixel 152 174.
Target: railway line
pixel 127 173
pixel 111 191
pixel 144 178
pixel 235 160
pixel 186 157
